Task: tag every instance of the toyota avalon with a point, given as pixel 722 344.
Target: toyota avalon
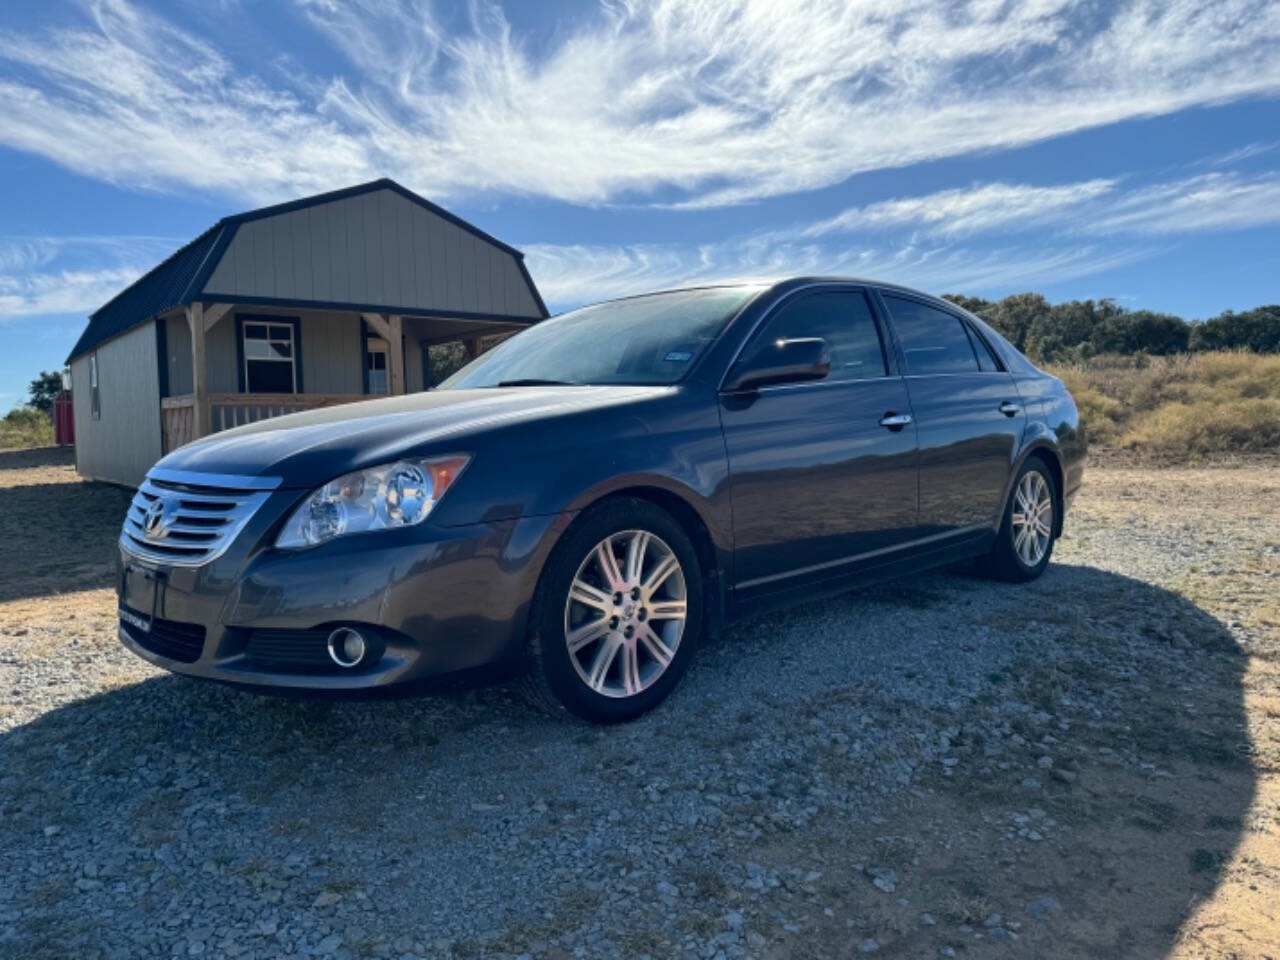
pixel 595 494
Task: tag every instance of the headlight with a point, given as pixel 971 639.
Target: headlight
pixel 398 494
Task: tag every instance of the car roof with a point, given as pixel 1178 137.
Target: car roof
pixel 772 283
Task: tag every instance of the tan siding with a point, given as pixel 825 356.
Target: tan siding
pixel 125 442
pixel 374 248
pixel 178 343
pixel 330 348
pixel 220 356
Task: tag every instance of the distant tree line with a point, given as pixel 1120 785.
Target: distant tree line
pixel 1080 329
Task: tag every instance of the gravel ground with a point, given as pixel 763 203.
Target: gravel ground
pixel 1084 766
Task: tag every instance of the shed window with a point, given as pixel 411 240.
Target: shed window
pixel 270 357
pixel 95 401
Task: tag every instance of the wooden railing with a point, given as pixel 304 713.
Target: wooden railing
pixel 177 421
pixel 227 410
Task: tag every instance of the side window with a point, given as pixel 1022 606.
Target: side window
pixel 95 400
pixel 987 360
pixel 933 341
pixel 841 318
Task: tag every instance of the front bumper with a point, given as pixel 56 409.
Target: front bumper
pixel 439 599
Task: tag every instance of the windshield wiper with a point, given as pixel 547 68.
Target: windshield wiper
pixel 535 382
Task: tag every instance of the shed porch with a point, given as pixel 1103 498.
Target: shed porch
pixel 226 365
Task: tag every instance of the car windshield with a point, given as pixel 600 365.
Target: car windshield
pixel 650 340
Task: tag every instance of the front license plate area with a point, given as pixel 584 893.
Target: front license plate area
pixel 139 591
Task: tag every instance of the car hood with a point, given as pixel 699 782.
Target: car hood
pixel 310 448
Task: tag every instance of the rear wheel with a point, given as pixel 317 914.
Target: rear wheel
pixel 617 614
pixel 1025 541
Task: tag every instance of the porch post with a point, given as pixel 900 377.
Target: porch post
pixel 391 329
pixel 199 375
pixel 473 347
pixel 395 354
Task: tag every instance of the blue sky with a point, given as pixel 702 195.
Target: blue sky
pixel 1128 149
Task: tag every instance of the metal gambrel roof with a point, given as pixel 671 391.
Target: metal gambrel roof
pixel 185 276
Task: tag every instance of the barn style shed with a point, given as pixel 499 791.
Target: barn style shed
pixel 326 300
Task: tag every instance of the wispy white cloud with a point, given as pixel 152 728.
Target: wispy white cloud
pixel 573 274
pixel 698 102
pixel 1214 201
pixel 967 209
pixel 958 239
pixel 1247 152
pixel 48 276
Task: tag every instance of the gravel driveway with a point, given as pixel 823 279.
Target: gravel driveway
pixel 1085 766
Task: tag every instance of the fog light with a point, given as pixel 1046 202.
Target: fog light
pixel 347 647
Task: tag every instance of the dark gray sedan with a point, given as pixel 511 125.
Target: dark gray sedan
pixel 595 494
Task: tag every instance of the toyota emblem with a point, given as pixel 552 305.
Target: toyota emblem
pixel 153 524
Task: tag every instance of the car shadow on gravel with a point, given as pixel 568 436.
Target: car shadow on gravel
pixel 1069 757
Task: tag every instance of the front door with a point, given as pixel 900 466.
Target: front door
pixel 968 416
pixel 376 376
pixel 816 479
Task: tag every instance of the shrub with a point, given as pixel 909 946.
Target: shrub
pixel 25 427
pixel 1182 406
pixel 1190 431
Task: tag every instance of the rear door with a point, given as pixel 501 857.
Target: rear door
pixel 969 418
pixel 816 479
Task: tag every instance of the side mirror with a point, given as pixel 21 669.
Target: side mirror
pixel 782 361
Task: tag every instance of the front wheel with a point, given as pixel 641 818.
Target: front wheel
pixel 1025 541
pixel 617 614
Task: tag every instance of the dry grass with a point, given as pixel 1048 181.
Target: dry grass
pixel 1187 407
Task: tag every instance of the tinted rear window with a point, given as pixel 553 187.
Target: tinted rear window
pixel 933 341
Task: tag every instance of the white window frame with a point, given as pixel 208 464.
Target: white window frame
pixel 95 395
pixel 271 337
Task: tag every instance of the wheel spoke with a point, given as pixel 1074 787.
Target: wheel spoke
pixel 587 634
pixel 636 550
pixel 659 574
pixel 593 597
pixel 604 658
pixel 609 564
pixel 630 669
pixel 667 610
pixel 1020 540
pixel 657 648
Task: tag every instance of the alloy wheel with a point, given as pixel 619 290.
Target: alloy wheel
pixel 625 613
pixel 1032 518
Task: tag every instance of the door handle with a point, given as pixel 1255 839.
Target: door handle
pixel 895 421
pixel 1009 408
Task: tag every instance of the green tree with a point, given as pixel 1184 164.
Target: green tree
pixel 1257 330
pixel 44 388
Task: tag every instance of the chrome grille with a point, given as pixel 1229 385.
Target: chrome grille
pixel 198 516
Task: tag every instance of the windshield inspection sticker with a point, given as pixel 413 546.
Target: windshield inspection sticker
pixel 678 356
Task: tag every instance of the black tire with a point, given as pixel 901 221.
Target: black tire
pixel 1004 562
pixel 553 682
